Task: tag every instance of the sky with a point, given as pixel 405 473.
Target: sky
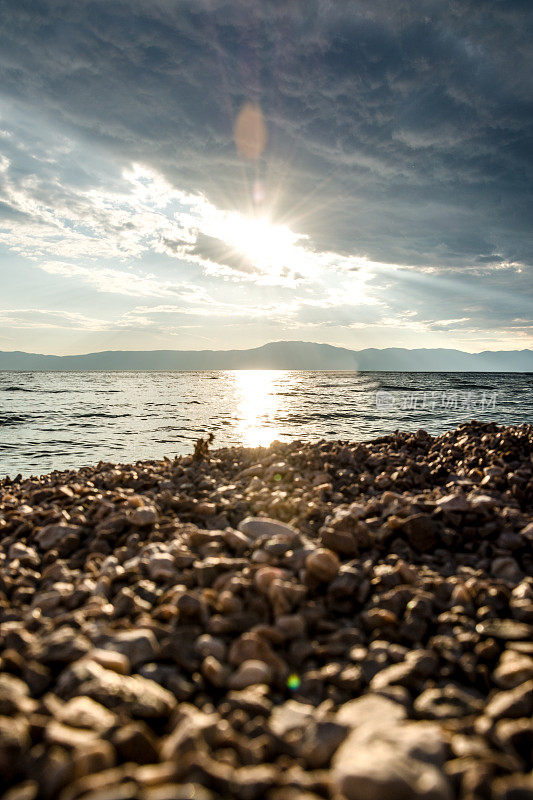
pixel 222 173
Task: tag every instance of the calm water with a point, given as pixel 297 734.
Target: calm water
pixel 63 420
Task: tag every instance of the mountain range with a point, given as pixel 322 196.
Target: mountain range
pixel 280 355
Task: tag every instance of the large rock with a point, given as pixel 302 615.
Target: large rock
pixel 385 756
pixel 379 769
pixel 138 696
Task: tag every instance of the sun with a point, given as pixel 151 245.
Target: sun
pixel 273 249
pixel 268 246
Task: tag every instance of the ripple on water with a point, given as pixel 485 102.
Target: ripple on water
pixel 13 419
pixel 52 420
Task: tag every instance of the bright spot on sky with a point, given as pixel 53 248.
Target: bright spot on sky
pixel 269 247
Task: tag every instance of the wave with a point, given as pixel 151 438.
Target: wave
pixel 13 419
pixel 102 414
pixel 477 386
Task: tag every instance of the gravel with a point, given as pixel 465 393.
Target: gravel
pixel 304 621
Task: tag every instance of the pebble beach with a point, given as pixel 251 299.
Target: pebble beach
pixel 299 622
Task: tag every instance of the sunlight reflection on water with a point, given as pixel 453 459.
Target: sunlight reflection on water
pixel 258 405
pixel 63 420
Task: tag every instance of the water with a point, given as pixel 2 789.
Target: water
pixel 64 420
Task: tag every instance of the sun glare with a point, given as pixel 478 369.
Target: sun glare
pixel 272 249
pixel 257 406
pixel 267 245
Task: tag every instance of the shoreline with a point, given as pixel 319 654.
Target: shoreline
pixel 305 620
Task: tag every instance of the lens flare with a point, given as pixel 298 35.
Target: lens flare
pixel 250 132
pixel 293 682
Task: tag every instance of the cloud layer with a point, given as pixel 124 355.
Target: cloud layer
pixel 398 159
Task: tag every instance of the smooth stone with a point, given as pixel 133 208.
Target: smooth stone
pixel 290 715
pixel 378 768
pixel 14 696
pixel 83 712
pixel 508 629
pixel 207 645
pixel 249 673
pixel 178 791
pixel 254 527
pixel 323 564
pixel 14 741
pixel 513 787
pixel 162 567
pixel 215 672
pixel 506 569
pixel 93 756
pixel 138 645
pixel 421 531
pixel 136 743
pixel 144 516
pixel 57 733
pixel 453 502
pixel 52 535
pixel 371 709
pixel 110 659
pixel 445 703
pixel 513 669
pixel 192 724
pixel 64 645
pixel 138 696
pixel 512 703
pixel 321 738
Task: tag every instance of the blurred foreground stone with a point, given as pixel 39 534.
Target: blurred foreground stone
pixel 305 621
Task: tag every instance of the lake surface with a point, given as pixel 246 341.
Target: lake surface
pixel 64 420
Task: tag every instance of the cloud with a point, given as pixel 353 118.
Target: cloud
pixel 396 175
pixel 209 248
pixel 42 318
pixel 389 109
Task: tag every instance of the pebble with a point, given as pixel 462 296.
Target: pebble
pixel 453 503
pixel 136 743
pixel 250 672
pixel 82 712
pixel 138 646
pixel 507 629
pixel 256 527
pixel 323 564
pixel 309 621
pixel 512 703
pixel 52 535
pixel 144 516
pixel 513 669
pixel 446 703
pixel 391 760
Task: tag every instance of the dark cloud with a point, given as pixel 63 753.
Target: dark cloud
pixel 209 248
pixel 398 130
pixel 483 298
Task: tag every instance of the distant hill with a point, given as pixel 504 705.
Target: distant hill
pixel 280 355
